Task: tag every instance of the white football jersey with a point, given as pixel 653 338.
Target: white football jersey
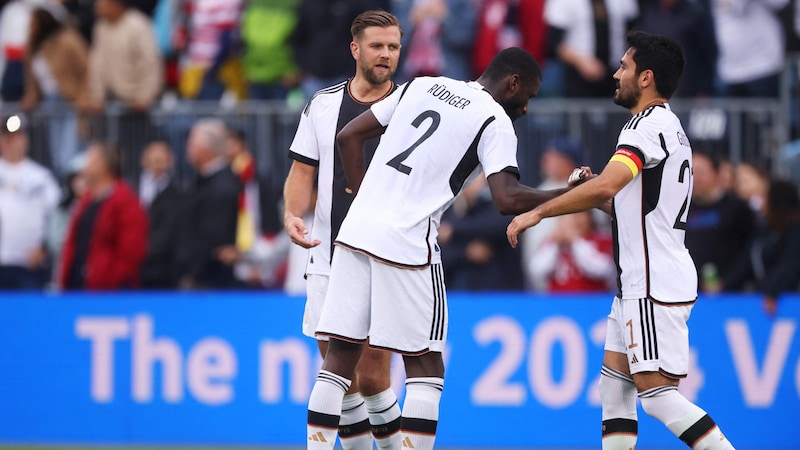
pixel 649 213
pixel 441 132
pixel 328 111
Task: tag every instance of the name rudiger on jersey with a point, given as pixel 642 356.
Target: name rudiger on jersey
pixel 442 93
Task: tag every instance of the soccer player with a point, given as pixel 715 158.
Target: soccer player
pixel 649 183
pixel 386 284
pixel 376 50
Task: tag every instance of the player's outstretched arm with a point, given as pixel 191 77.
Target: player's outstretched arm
pixel 511 197
pixel 351 146
pixel 591 194
pixel 298 192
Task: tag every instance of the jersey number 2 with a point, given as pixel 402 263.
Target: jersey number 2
pixel 397 161
pixel 680 221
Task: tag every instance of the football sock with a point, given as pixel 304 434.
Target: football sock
pixel 421 412
pixel 324 409
pixel 683 418
pixel 384 416
pixel 618 400
pixel 354 429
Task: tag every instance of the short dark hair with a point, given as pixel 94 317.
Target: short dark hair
pixel 710 154
pixel 514 60
pixel 373 18
pixel 662 55
pixel 111 156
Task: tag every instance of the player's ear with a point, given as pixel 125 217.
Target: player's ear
pixel 514 84
pixel 354 49
pixel 646 78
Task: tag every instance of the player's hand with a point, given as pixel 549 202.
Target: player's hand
pixel 521 223
pixel 580 175
pixel 297 232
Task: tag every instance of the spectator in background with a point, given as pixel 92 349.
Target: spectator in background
pixel 56 62
pixel 576 257
pixel 321 40
pixel 588 36
pixel 208 67
pixel 260 252
pixel 163 199
pixel 106 240
pixel 750 183
pixel 268 60
pixel 560 157
pixel 125 65
pixel 440 37
pixel 508 23
pixel 775 252
pixel 14 23
pixel 719 224
pixel 208 231
pixel 475 256
pixel 73 190
pixel 28 195
pixel 689 22
pixel 751 46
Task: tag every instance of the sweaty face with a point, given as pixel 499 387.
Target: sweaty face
pixel 377 52
pixel 628 93
pixel 516 105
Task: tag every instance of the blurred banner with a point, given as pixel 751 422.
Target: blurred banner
pixel 233 368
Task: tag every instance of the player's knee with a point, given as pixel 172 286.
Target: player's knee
pixel 659 402
pixel 372 382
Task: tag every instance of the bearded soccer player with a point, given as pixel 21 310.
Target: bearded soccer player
pixel 370 407
pixel 649 183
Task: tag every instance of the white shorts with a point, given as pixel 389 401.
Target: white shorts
pixel 654 336
pixel 402 310
pixel 316 288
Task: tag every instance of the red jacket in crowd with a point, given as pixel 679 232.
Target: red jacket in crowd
pixel 118 243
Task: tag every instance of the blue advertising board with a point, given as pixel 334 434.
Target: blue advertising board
pixel 233 368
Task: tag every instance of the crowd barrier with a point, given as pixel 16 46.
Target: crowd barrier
pixel 742 129
pixel 233 368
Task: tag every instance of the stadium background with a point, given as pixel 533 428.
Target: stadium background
pixel 232 369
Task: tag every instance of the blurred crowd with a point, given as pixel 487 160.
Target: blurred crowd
pixel 85 227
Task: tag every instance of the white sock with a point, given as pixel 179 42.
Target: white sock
pixel 324 409
pixel 384 416
pixel 618 400
pixel 354 429
pixel 683 418
pixel 421 412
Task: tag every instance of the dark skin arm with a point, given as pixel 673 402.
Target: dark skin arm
pixel 511 197
pixel 351 146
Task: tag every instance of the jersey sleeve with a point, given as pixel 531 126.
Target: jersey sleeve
pixel 497 147
pixel 304 147
pixel 384 109
pixel 637 150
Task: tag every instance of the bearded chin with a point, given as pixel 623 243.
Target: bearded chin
pixel 374 78
pixel 627 99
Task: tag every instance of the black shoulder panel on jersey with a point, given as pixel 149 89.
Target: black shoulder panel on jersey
pixel 468 162
pixel 663 144
pixel 651 187
pixel 303 159
pixel 405 88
